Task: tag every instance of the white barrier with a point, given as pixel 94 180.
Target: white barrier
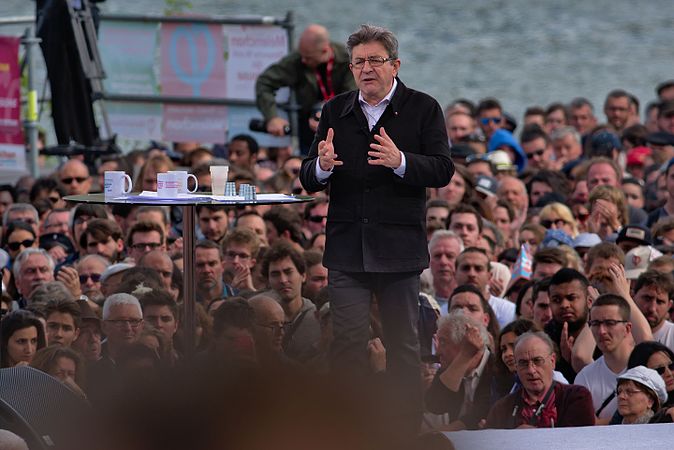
pixel 613 437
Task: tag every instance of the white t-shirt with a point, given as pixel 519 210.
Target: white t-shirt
pixel 601 382
pixel 665 335
pixel 504 310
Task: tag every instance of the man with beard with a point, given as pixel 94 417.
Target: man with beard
pixel 284 267
pixel 569 303
pixel 653 294
pixel 599 259
pixel 611 322
pixel 209 267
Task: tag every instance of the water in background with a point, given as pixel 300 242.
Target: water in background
pixel 523 52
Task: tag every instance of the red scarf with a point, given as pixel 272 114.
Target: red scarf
pixel 547 418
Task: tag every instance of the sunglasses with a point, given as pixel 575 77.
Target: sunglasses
pixel 317 219
pixel 486 120
pixel 535 153
pixel 14 246
pixel 95 277
pixel 69 180
pixel 548 223
pixel 661 369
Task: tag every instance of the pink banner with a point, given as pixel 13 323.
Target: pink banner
pixel 11 131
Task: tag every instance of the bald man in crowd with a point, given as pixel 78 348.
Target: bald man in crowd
pixel 317 71
pixel 74 175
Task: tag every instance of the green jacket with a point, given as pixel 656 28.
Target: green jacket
pixel 290 71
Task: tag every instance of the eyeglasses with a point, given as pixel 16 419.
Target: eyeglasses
pixel 535 153
pixel 317 219
pixel 233 255
pixel 628 392
pixel 607 323
pixel 95 277
pixel 538 361
pixel 548 223
pixel 121 323
pixel 276 327
pixel 14 246
pixel 150 245
pixel 375 61
pixel 69 180
pixel 661 369
pixel 3 311
pixel 486 120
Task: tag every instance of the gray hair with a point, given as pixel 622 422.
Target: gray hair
pixel 23 256
pixel 51 290
pixel 456 323
pixel 371 33
pixel 96 257
pixel 20 207
pixel 542 335
pixel 439 235
pixel 561 133
pixel 11 441
pixel 118 300
pixel 579 102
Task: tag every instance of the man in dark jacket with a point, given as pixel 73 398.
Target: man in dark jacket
pixel 317 71
pixel 462 386
pixel 377 149
pixel 540 402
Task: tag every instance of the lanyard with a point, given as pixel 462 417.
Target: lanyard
pixel 327 92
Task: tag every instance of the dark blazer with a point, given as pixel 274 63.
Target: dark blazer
pixel 440 399
pixel 376 220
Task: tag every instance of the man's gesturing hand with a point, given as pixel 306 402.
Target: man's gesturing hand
pixel 386 153
pixel 326 152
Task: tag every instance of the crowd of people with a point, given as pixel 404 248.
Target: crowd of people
pixel 548 301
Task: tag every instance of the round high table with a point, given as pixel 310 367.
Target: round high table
pixel 188 206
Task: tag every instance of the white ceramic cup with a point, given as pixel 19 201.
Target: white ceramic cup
pixel 219 179
pixel 114 182
pixel 167 185
pixel 182 177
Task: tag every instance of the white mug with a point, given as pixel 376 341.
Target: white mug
pixel 219 179
pixel 113 183
pixel 182 177
pixel 167 185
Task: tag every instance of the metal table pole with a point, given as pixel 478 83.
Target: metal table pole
pixel 189 300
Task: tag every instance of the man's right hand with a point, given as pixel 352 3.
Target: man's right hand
pixel 276 126
pixel 326 153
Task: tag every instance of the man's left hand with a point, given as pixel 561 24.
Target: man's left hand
pixel 385 153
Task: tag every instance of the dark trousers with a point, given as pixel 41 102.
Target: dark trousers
pixel 397 296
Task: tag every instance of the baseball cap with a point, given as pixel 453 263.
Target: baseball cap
pixel 461 151
pixel 650 379
pixel 115 269
pixel 660 138
pixel 636 233
pixel 637 156
pixel 500 160
pixel 555 238
pixel 604 142
pixel 637 260
pixel 51 240
pixel 486 185
pixel 586 240
pixel 88 314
